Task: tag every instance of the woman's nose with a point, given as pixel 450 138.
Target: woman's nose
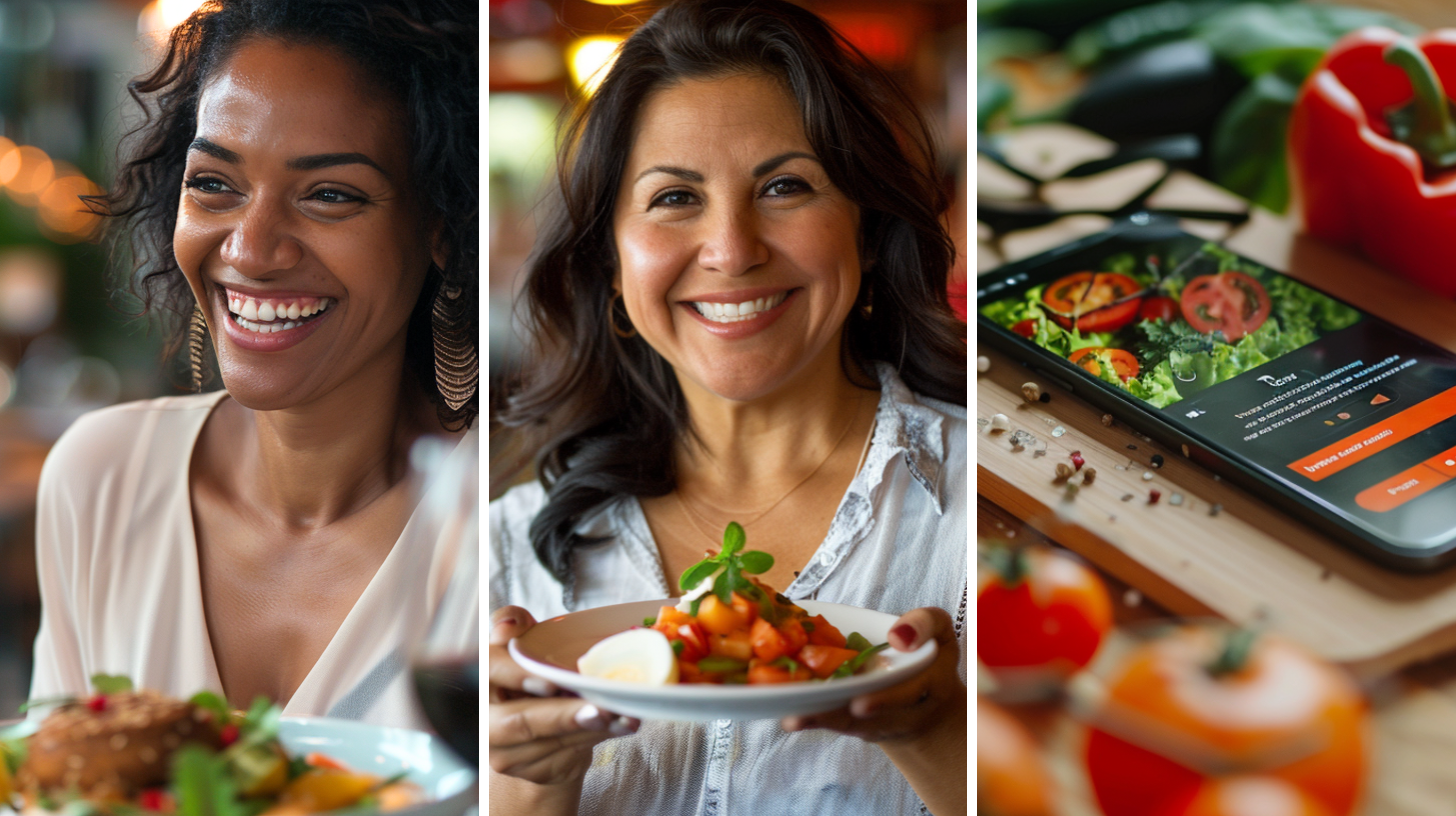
pixel 733 242
pixel 261 240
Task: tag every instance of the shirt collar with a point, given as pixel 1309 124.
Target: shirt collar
pixel 906 426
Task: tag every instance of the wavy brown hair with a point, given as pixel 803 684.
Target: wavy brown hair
pixel 422 52
pixel 603 412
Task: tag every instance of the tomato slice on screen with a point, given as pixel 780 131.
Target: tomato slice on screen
pixel 1229 302
pixel 1087 301
pixel 1123 361
pixel 1159 307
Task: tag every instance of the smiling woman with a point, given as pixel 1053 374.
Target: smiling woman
pixel 739 315
pixel 300 198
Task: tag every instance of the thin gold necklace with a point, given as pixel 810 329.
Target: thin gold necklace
pixel 694 516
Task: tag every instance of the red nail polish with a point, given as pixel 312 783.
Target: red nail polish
pixel 905 632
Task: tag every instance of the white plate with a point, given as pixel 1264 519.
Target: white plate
pixel 550 648
pixel 374 749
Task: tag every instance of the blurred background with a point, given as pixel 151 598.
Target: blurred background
pixel 544 54
pixel 66 345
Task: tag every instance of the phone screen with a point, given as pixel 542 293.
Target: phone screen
pixel 1346 410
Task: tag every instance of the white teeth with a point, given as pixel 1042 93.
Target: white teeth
pixel 267 317
pixel 736 312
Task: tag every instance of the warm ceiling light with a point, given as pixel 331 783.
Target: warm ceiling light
pixel 26 170
pixel 161 16
pixel 591 58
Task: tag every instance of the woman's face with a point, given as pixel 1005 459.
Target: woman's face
pixel 737 257
pixel 295 228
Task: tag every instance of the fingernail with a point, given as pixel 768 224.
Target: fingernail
pixel 506 622
pixel 905 632
pixel 622 726
pixel 536 687
pixel 591 718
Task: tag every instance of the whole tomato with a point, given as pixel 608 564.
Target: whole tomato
pixel 1247 796
pixel 1206 703
pixel 1010 777
pixel 1038 611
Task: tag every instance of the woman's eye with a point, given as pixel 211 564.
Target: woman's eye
pixel 673 198
pixel 328 196
pixel 786 187
pixel 207 184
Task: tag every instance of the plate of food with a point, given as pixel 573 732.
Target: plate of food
pixel 137 752
pixel 730 648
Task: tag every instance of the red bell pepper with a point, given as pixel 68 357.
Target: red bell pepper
pixel 1372 152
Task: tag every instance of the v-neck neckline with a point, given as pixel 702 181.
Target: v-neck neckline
pixel 193 546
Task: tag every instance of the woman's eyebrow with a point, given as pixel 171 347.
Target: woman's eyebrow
pixel 684 174
pixel 319 160
pixel 217 151
pixel 769 165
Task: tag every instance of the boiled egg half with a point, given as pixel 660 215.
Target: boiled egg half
pixel 635 656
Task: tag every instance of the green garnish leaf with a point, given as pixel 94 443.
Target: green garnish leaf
pixel 209 701
pixel 786 662
pixel 723 587
pixel 260 724
pixel 857 642
pixel 697 573
pixel 45 701
pixel 110 683
pixel 203 785
pixel 677 648
pixel 298 766
pixel 12 753
pixel 733 538
pixel 756 562
pixel 719 664
pixel 853 664
pixel 649 621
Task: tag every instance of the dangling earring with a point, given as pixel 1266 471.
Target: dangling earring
pixel 869 303
pixel 196 341
pixel 612 318
pixel 457 367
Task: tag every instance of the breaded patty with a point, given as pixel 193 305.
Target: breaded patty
pixel 115 752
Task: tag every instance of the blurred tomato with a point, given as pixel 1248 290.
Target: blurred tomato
pixel 1159 307
pixel 1039 608
pixel 1203 703
pixel 1010 777
pixel 1247 796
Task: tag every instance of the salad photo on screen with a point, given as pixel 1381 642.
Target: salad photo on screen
pixel 1163 326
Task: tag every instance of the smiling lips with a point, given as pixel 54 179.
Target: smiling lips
pixel 736 312
pixel 270 315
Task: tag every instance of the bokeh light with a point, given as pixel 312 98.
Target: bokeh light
pixel 25 172
pixel 590 59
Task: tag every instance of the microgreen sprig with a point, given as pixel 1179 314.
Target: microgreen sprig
pixel 735 562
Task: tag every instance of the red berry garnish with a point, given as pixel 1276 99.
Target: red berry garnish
pixel 1077 460
pixel 1153 496
pixel 229 735
pixel 97 703
pixel 153 799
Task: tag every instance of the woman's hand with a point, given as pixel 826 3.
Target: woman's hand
pixel 920 723
pixel 540 742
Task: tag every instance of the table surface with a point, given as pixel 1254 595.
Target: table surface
pixel 1413 704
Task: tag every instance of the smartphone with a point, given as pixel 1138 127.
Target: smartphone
pixel 1329 413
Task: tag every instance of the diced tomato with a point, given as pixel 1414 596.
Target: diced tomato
pixel 769 673
pixel 1026 328
pixel 689 673
pixel 747 610
pixel 768 642
pixel 794 634
pixel 735 645
pixel 717 617
pixel 824 633
pixel 695 642
pixel 823 660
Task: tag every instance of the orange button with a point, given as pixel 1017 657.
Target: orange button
pixel 1444 462
pixel 1331 459
pixel 1401 488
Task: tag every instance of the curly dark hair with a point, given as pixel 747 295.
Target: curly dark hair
pixel 423 52
pixel 602 412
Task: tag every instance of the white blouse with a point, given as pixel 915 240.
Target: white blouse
pixel 121 593
pixel 897 542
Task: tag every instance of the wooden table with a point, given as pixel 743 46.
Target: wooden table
pixel 1246 561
